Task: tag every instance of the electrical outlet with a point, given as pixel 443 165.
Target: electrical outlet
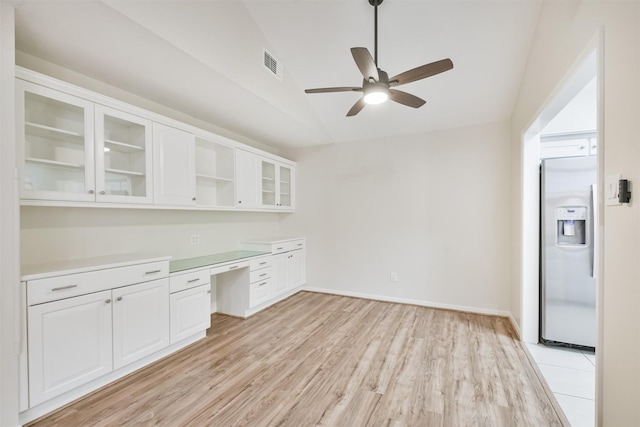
pixel 195 239
pixel 394 276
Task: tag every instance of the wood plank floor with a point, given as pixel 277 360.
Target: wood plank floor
pixel 317 359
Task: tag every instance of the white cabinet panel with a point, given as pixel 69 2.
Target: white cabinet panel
pixel 140 321
pixel 280 274
pixel 276 185
pixel 297 272
pixel 123 157
pixel 174 166
pixel 246 179
pixel 69 344
pixel 55 141
pixel 190 312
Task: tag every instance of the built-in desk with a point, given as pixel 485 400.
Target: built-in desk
pixel 246 281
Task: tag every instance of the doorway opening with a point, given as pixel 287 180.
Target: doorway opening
pixel 568 127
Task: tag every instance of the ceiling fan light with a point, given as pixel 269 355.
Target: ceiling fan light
pixel 376 95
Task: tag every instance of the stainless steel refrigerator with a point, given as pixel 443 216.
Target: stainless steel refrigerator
pixel 568 284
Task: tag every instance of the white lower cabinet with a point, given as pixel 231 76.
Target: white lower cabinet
pixel 70 344
pixel 190 307
pixel 75 340
pixel 140 321
pixel 280 273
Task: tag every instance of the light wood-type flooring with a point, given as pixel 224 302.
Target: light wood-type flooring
pixel 317 359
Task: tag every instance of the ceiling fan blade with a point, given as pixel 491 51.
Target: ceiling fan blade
pixel 357 107
pixel 405 98
pixel 333 89
pixel 365 63
pixel 422 72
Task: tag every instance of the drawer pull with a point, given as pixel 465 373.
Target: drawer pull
pixel 232 267
pixel 300 244
pixel 64 288
pixel 263 274
pixel 262 284
pixel 263 262
pixel 209 291
pixel 153 272
pixel 280 248
pixel 193 280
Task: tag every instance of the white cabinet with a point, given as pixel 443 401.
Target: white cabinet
pixel 288 262
pixel 69 344
pixel 140 321
pixel 174 166
pixel 55 144
pixel 190 303
pixel 246 179
pixel 123 157
pixel 85 323
pixel 75 150
pixel 568 145
pixel 276 185
pixel 215 174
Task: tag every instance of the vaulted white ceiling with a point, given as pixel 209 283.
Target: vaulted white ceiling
pixel 204 58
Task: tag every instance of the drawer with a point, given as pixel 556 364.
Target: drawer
pixel 278 248
pixel 56 288
pixel 275 247
pixel 259 263
pixel 261 274
pixel 189 280
pixel 259 292
pixel 228 267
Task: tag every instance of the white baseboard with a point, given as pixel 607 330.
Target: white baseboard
pixel 476 310
pixel 515 325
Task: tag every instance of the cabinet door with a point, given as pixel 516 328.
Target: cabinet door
pixel 55 142
pixel 297 272
pixel 190 312
pixel 280 274
pixel 246 179
pixel 69 344
pixel 140 321
pixel 174 174
pixel 268 186
pixel 123 157
pixel 285 187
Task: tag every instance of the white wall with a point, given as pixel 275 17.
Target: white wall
pixel 566 30
pixel 9 281
pixel 51 233
pixel 434 208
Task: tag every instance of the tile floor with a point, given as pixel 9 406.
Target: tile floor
pixel 571 376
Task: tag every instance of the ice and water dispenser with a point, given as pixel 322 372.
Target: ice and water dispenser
pixel 572 226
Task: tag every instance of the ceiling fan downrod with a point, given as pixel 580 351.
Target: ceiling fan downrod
pixel 375 4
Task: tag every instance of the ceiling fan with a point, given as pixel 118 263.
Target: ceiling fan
pixel 376 85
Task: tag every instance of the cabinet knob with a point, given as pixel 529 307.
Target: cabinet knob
pixel 193 198
pixel 103 192
pixel 108 301
pixel 239 202
pixel 91 191
pixel 119 299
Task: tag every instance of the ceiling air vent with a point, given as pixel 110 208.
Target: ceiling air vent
pixel 272 64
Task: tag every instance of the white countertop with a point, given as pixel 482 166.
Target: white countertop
pixel 72 266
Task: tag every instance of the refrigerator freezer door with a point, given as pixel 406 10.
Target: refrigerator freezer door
pixel 568 287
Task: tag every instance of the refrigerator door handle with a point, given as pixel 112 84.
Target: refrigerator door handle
pixel 594 229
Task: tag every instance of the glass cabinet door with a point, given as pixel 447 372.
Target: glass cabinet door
pixel 268 183
pixel 55 143
pixel 285 188
pixel 123 157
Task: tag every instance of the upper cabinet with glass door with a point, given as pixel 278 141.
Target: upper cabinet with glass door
pixel 55 143
pixel 123 157
pixel 276 185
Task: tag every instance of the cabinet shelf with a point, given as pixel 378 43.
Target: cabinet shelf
pixel 213 178
pixel 264 178
pixel 268 192
pixel 54 163
pixel 124 172
pixel 37 129
pixel 123 146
